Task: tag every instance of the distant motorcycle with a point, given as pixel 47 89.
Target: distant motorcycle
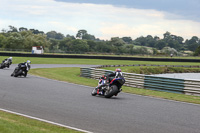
pixel 21 70
pixel 110 90
pixel 5 63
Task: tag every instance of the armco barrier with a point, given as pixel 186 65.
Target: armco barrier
pixel 189 87
pixel 192 87
pixel 132 80
pixel 164 84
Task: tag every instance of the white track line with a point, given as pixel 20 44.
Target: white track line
pixel 39 119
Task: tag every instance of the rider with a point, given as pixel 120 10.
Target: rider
pixel 26 65
pixel 109 78
pixel 7 61
pixel 116 74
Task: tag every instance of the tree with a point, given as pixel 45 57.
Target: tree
pixel 2 40
pixel 88 37
pixel 141 41
pixel 127 39
pixel 80 46
pixel 54 44
pixel 70 36
pixel 197 51
pixel 116 41
pixel 81 33
pixel 36 31
pixel 66 44
pixel 92 45
pixel 12 29
pixel 103 47
pixel 14 41
pixel 166 35
pixel 161 44
pixel 22 29
pixel 54 35
pixel 193 43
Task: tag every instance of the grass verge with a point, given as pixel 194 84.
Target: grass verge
pixel 72 75
pixel 148 70
pixel 37 60
pixel 11 123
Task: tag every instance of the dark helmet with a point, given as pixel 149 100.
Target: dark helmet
pixel 118 70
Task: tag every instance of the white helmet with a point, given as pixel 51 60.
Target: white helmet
pixel 28 61
pixel 10 58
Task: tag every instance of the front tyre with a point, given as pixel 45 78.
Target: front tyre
pixel 113 90
pixel 16 74
pixel 94 92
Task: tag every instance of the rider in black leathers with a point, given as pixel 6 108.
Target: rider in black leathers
pixel 25 67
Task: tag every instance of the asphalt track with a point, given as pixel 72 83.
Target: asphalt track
pixel 72 105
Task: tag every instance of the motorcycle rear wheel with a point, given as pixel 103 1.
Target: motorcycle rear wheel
pixel 113 90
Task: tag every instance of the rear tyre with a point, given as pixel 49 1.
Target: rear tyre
pixel 113 90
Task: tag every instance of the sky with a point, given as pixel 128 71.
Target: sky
pixel 104 18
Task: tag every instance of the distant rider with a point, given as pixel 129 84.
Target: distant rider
pixel 7 61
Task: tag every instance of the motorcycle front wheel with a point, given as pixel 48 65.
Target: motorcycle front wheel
pixel 16 74
pixel 94 92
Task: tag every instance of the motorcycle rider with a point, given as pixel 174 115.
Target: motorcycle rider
pixel 109 78
pixel 26 65
pixel 116 74
pixel 7 61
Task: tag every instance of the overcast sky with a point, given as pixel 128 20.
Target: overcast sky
pixel 104 18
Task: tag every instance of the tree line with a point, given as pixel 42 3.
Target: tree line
pixel 83 42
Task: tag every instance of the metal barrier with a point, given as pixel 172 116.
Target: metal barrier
pixel 192 87
pixel 189 87
pixel 164 84
pixel 132 80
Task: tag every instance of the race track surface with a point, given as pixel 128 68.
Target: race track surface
pixel 73 105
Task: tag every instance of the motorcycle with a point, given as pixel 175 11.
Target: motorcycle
pixel 5 63
pixel 112 89
pixel 21 70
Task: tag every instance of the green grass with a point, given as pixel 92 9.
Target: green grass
pixel 11 123
pixel 69 74
pixel 36 60
pixel 72 75
pixel 155 69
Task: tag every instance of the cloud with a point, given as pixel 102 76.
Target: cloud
pixel 103 21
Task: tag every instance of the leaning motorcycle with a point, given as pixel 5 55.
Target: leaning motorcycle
pixel 21 71
pixel 5 64
pixel 112 89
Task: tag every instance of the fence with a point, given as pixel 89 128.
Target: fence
pixel 189 87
